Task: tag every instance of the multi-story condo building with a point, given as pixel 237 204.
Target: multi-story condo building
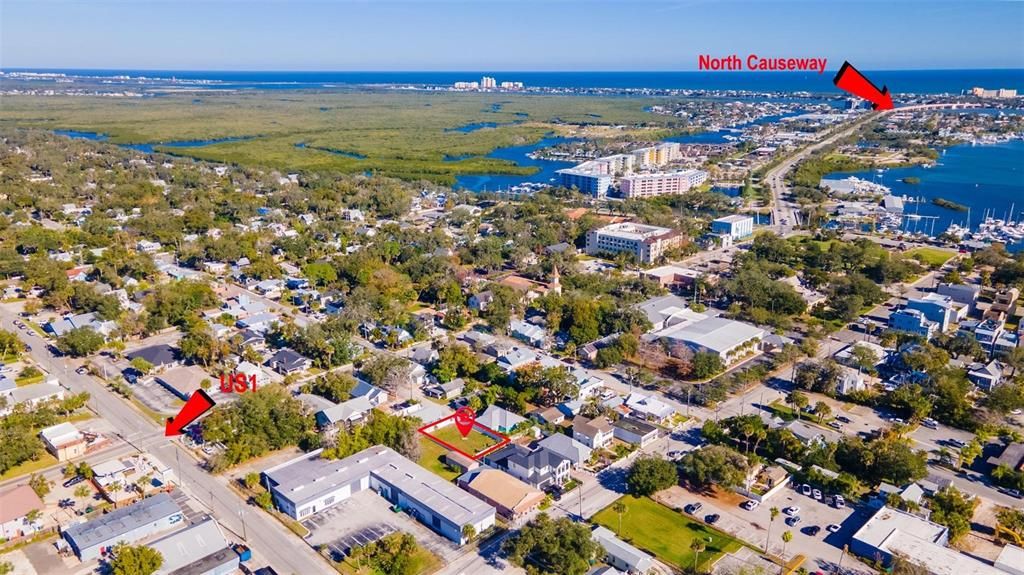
pixel 657 155
pixel 660 184
pixel 591 178
pixel 646 243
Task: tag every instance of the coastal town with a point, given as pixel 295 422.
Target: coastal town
pixel 718 357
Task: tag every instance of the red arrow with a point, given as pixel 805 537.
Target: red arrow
pixel 854 82
pixel 196 405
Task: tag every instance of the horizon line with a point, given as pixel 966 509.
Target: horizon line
pixel 468 71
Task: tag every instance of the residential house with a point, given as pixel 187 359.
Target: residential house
pixel 567 447
pixel 986 375
pixel 811 434
pixel 61 326
pixel 594 433
pixel 15 505
pixel 850 380
pixel 528 333
pixel 446 390
pixel 649 407
pixel 939 309
pixel 634 431
pixel 964 294
pixel 540 468
pixel 511 497
pixel 912 321
pixel 515 358
pixel 287 361
pixel 499 419
pixel 480 301
pixel 620 554
pixel 549 415
pixel 160 356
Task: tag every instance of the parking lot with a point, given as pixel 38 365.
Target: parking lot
pixel 364 518
pixel 753 526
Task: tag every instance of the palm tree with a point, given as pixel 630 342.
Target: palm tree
pixel 787 536
pixel 82 491
pixel 697 546
pixel 113 488
pixel 33 515
pixel 822 410
pixel 774 513
pixel 619 508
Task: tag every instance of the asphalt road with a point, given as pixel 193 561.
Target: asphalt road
pixel 285 552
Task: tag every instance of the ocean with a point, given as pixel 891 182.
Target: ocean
pixel 898 81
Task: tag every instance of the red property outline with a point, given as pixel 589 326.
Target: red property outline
pixel 503 439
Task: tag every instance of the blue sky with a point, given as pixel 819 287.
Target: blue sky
pixel 500 35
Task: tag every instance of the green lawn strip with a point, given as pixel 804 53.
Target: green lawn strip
pixel 666 533
pixel 432 458
pixel 45 460
pixel 930 257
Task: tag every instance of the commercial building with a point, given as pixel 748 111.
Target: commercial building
pixel 591 180
pixel 658 155
pixel 728 339
pixel 646 243
pixel 510 496
pixel 891 532
pixel 201 549
pixel 132 523
pixel 735 226
pixel 309 484
pixel 672 277
pixel 634 431
pixel 64 441
pixel 660 184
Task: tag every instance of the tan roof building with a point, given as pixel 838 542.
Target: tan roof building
pixel 14 505
pixel 510 496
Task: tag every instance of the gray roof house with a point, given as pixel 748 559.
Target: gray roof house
pixel 288 361
pixel 540 467
pixel 59 327
pixel 620 554
pixel 567 447
pixel 159 356
pixel 132 523
pixel 499 419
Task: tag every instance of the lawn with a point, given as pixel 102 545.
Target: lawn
pixel 45 460
pixel 432 453
pixel 432 458
pixel 666 533
pixel 421 562
pixel 930 257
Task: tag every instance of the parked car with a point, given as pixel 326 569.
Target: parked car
pixel 692 508
pixel 835 425
pixel 82 370
pixel 832 528
pixel 930 423
pixel 813 530
pixel 749 505
pixel 839 502
pixel 74 481
pixel 792 511
pixel 791 521
pixel 712 518
pixel 843 418
pixel 805 489
pixel 956 442
pixel 817 494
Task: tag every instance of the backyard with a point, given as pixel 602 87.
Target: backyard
pixel 666 533
pixel 432 453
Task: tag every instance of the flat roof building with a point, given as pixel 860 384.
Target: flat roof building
pixel 736 226
pixel 512 497
pixel 201 549
pixel 660 184
pixel 587 179
pixel 309 484
pixel 132 523
pixel 64 441
pixel 646 243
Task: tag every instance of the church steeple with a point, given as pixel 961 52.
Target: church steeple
pixel 555 284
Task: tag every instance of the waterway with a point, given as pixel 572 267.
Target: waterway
pixel 983 177
pixel 148 147
pixel 521 156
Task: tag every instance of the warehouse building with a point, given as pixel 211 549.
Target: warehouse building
pixel 199 550
pixel 308 484
pixel 132 523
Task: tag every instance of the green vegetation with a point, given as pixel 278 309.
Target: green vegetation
pixel 666 533
pixel 408 136
pixel 21 450
pixel 395 554
pixel 135 560
pixel 931 257
pixel 715 464
pixel 953 509
pixel 474 442
pixel 432 457
pixel 648 475
pixel 911 180
pixel 259 422
pixel 548 546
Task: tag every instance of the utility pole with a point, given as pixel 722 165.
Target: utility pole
pixel 241 517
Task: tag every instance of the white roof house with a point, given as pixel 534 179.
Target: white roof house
pixel 649 407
